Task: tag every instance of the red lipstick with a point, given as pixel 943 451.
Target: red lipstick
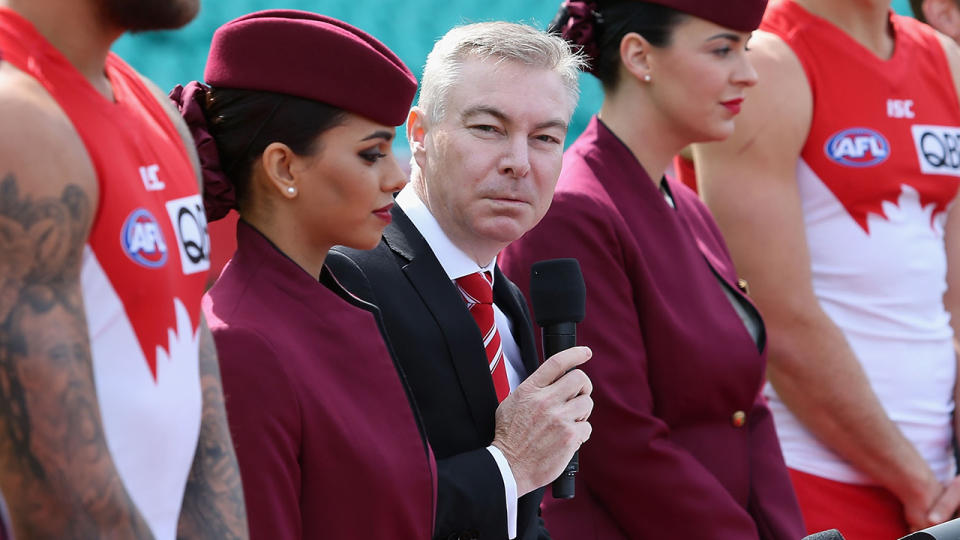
pixel 384 213
pixel 733 105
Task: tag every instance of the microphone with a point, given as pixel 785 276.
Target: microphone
pixel 948 530
pixel 832 534
pixel 559 302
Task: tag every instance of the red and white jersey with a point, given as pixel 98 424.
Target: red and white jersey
pixel 877 176
pixel 144 271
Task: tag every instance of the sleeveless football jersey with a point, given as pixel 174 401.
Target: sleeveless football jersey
pixel 144 270
pixel 876 176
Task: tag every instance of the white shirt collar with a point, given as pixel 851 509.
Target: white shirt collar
pixel 454 261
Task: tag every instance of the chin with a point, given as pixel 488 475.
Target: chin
pixel 365 241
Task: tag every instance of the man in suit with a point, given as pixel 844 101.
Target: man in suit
pixel 487 139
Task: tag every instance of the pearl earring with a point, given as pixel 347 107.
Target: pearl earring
pixel 291 190
pixel 646 78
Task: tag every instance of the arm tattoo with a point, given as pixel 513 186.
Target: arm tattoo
pixel 55 469
pixel 213 505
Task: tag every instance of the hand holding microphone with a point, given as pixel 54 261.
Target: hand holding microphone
pixel 559 303
pixel 541 424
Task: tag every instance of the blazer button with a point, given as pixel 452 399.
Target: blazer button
pixel 743 286
pixel 738 419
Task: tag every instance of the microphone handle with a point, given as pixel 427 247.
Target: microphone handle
pixel 560 337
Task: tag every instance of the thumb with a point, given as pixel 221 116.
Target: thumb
pixel 555 366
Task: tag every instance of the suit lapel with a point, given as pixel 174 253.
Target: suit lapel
pixel 443 300
pixel 509 300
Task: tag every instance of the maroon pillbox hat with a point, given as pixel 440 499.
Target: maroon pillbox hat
pixel 740 15
pixel 314 57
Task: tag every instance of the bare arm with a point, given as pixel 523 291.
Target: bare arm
pixel 56 472
pixel 213 505
pixel 750 184
pixel 946 506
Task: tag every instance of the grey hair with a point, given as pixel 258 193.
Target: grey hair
pixel 499 41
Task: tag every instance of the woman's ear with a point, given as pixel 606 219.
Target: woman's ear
pixel 635 56
pixel 277 161
pixel 417 135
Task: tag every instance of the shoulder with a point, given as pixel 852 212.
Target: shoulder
pixel 44 166
pixel 346 271
pixel 952 52
pixel 351 264
pixel 783 90
pixel 174 115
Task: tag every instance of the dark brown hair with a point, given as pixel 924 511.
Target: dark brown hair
pixel 244 122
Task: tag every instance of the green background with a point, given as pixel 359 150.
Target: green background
pixel 409 27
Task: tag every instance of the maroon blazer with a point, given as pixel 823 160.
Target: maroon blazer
pixel 328 443
pixel 683 444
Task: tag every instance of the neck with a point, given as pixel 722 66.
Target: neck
pixel 285 234
pixel 649 136
pixel 865 21
pixel 75 29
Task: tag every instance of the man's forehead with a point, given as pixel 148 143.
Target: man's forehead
pixel 509 90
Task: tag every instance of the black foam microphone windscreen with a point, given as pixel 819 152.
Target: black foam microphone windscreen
pixel 949 530
pixel 557 292
pixel 832 534
pixel 559 303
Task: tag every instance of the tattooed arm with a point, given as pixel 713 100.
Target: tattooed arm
pixel 56 472
pixel 213 505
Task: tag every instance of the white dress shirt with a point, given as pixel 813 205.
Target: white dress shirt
pixel 457 264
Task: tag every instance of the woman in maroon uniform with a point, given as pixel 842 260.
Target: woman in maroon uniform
pixel 295 131
pixel 683 444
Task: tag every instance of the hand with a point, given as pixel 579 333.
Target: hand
pixel 543 421
pixel 946 505
pixel 924 497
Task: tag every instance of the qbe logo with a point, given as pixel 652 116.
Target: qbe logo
pixel 190 225
pixel 857 147
pixel 938 149
pixel 142 239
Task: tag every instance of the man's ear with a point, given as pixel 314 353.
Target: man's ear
pixel 635 56
pixel 277 161
pixel 417 134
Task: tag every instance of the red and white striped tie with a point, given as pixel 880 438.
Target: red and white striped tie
pixel 477 292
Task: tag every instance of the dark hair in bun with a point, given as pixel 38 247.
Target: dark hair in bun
pixel 232 127
pixel 598 27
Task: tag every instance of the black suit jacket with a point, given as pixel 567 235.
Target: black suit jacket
pixel 441 352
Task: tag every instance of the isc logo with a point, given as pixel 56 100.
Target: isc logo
pixel 857 147
pixel 142 239
pixel 900 108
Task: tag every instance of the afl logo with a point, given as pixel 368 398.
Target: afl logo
pixel 142 239
pixel 857 147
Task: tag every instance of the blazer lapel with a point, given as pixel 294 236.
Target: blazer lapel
pixel 511 302
pixel 443 300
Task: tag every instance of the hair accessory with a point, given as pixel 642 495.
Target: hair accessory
pixel 218 193
pixel 579 22
pixel 314 57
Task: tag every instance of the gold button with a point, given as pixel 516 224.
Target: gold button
pixel 743 286
pixel 739 419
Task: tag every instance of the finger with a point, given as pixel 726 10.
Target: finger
pixel 574 383
pixel 584 430
pixel 578 408
pixel 947 504
pixel 555 366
